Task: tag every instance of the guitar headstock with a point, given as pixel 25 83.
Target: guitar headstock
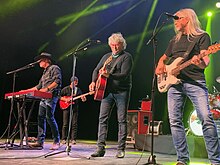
pixel 214 48
pixel 91 92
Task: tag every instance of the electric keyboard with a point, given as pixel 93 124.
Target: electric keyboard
pixel 31 94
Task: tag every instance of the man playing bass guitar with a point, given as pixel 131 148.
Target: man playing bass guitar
pixel 192 39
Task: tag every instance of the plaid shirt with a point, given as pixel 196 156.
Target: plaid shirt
pixel 51 74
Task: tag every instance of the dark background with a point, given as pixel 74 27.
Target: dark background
pixel 28 28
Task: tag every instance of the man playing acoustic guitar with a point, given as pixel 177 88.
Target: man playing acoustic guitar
pixel 116 67
pixel 66 104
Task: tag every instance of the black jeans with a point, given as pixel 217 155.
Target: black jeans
pixel 74 124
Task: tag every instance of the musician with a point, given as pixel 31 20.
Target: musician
pixel 50 82
pixel 66 96
pixel 192 85
pixel 117 92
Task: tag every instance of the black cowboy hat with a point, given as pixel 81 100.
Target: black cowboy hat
pixel 44 55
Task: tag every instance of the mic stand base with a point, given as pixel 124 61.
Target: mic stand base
pixel 152 160
pixel 68 149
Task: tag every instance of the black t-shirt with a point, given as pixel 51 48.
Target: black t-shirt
pixel 177 49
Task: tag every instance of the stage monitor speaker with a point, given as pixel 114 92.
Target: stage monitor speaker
pixel 144 117
pixel 132 122
pixel 137 123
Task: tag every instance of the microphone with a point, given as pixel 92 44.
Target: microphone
pixel 33 63
pixel 171 15
pixel 94 41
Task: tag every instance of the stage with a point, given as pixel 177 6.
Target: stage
pixel 80 155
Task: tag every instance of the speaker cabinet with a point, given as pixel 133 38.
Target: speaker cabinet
pixel 137 123
pixel 144 118
pixel 132 121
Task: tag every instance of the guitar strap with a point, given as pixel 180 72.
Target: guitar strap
pixel 75 90
pixel 186 54
pixel 115 63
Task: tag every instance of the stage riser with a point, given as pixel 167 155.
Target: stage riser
pixel 163 144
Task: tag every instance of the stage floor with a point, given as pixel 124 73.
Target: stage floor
pixel 80 155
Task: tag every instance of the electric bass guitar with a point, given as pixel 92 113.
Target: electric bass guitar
pixel 101 82
pixel 66 104
pixel 165 80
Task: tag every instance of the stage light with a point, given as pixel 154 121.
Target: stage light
pixel 217 4
pixel 209 14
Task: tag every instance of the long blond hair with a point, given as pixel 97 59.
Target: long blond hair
pixel 193 27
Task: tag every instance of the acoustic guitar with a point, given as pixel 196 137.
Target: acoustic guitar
pixel 101 82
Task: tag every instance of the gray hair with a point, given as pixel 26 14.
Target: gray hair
pixel 193 26
pixel 117 37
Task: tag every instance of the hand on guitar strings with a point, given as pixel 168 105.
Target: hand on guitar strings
pixel 104 73
pixel 161 69
pixel 92 86
pixel 196 60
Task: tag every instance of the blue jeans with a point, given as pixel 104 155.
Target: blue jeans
pixel 46 112
pixel 121 100
pixel 197 92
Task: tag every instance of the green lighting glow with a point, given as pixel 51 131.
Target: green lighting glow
pixel 106 26
pixel 144 33
pixel 10 7
pixel 209 69
pixel 70 17
pixel 209 14
pixel 147 25
pixel 191 163
pixel 217 4
pixel 75 18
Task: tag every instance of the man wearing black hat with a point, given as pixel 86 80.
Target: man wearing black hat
pixel 66 93
pixel 50 82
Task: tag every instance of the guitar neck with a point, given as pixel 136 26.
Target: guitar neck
pixel 107 61
pixel 187 63
pixel 77 97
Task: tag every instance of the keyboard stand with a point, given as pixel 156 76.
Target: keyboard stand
pixel 22 122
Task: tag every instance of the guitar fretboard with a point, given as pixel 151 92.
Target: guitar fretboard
pixel 189 62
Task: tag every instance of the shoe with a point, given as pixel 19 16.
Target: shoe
pixel 36 145
pixel 120 154
pixel 100 152
pixel 63 142
pixel 55 146
pixel 73 142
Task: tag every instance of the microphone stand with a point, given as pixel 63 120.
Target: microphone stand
pixel 14 72
pixel 152 158
pixel 74 55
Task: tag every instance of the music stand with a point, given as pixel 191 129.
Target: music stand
pixel 152 158
pixel 74 55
